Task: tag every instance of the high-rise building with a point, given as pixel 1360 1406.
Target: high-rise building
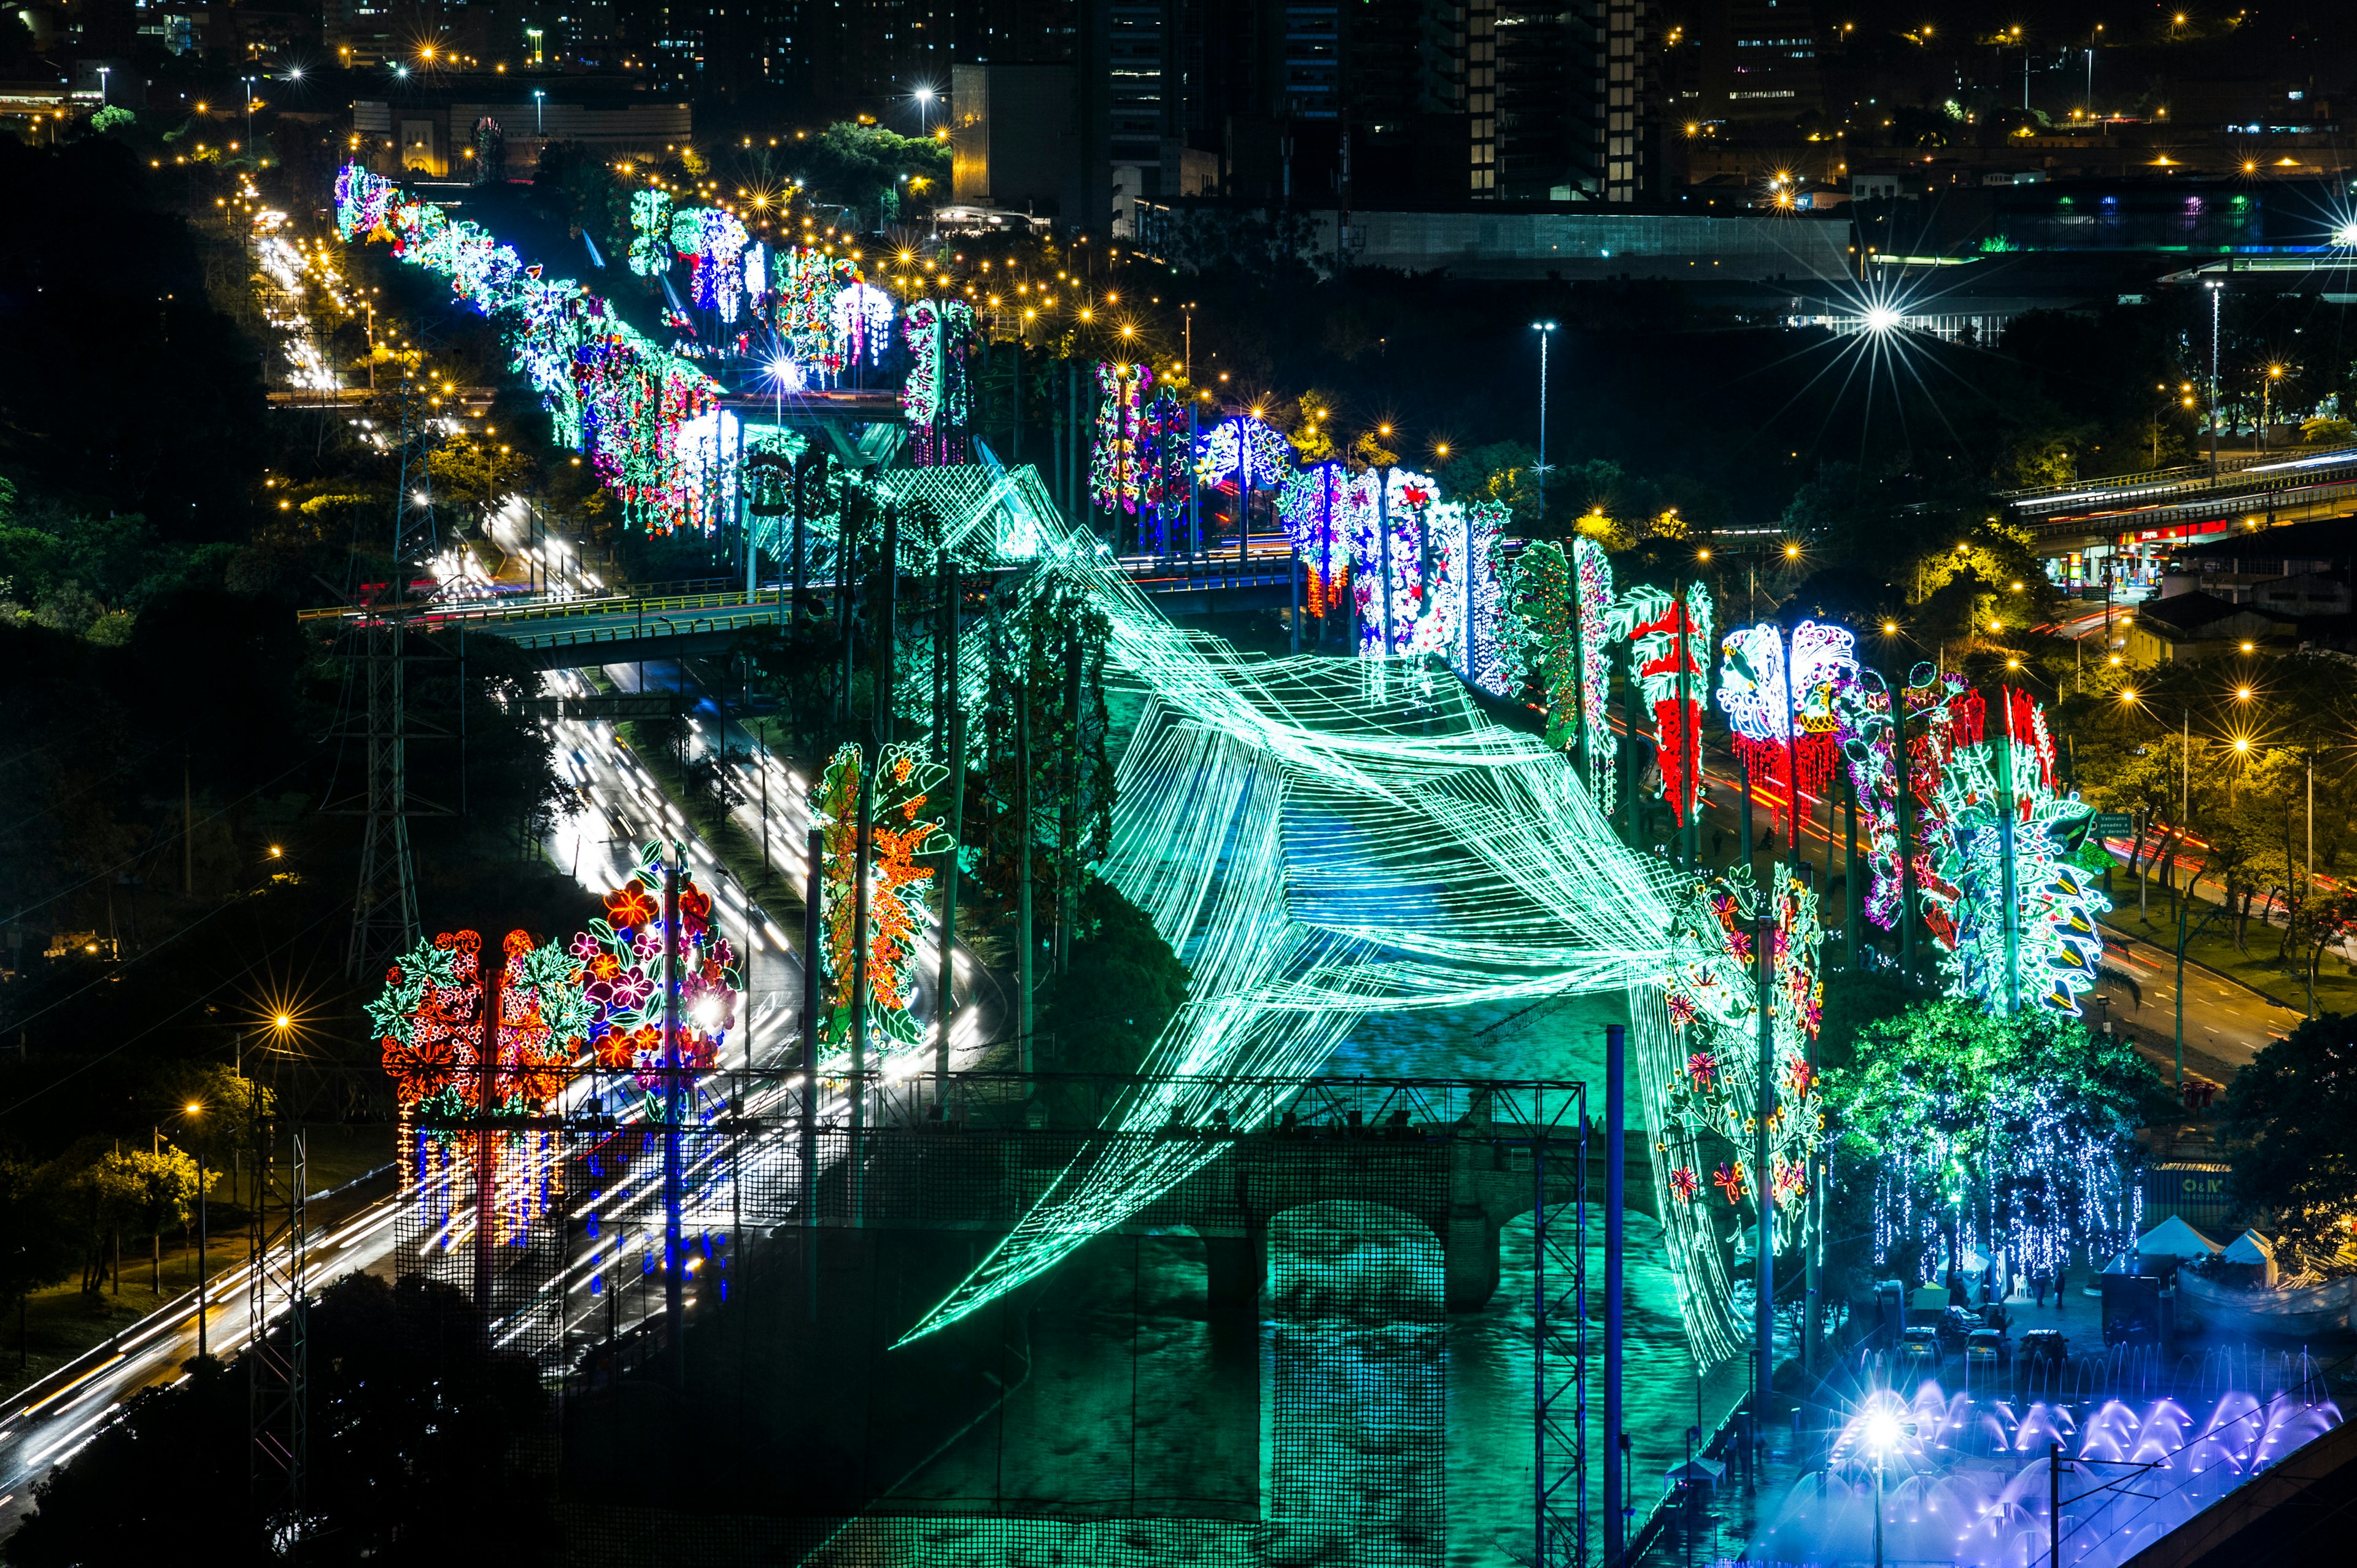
pixel 1763 57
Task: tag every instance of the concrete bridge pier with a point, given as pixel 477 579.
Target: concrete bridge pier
pixel 1469 1256
pixel 1236 1268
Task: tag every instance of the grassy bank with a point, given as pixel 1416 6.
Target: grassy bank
pixel 2211 945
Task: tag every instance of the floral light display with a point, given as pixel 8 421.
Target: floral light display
pixel 2055 942
pixel 1314 505
pixel 649 232
pixel 1781 704
pixel 434 1026
pixel 898 832
pixel 1487 664
pixel 805 284
pixel 714 243
pixel 1697 1070
pixel 1672 659
pixel 937 395
pixel 1167 462
pixel 1118 469
pixel 1399 540
pixel 1592 587
pixel 861 317
pixel 1241 447
pixel 612 393
pixel 627 982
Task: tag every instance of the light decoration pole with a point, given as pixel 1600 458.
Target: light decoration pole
pixel 665 988
pixel 1397 562
pixel 1671 634
pixel 937 395
pixel 2017 921
pixel 1778 702
pixel 468 1045
pixel 860 317
pixel 1316 508
pixel 1120 458
pixel 871 976
pixel 714 242
pixel 1560 601
pixel 1732 1091
pixel 1240 455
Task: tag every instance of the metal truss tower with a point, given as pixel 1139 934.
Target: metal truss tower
pixel 278 1369
pixel 385 903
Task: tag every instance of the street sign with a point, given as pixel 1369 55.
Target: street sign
pixel 2114 824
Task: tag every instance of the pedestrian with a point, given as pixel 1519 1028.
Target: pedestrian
pixel 2058 1287
pixel 2038 1283
pixel 1718 843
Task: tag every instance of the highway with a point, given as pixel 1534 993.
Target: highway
pixel 618 808
pixel 2225 1024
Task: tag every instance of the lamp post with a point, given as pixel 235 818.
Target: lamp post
pixel 2267 402
pixel 2217 288
pixel 196 1107
pixel 1545 330
pixel 102 88
pixel 539 98
pixel 1883 1431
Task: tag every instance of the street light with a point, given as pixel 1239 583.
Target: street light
pixel 1882 1433
pixel 196 1107
pixel 2267 402
pixel 2217 288
pixel 1545 330
pixel 539 98
pixel 102 84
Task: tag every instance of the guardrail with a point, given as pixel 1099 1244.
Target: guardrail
pixel 2294 498
pixel 2242 482
pixel 2183 472
pixel 1213 571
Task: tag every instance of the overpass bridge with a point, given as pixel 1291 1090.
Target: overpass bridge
pixel 2258 489
pixel 558 634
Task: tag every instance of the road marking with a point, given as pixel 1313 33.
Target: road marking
pixel 76 1383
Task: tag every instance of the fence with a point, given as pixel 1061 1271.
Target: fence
pixel 1249 1362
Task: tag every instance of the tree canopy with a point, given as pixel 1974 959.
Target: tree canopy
pixel 2290 1119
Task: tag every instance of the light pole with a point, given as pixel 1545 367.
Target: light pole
pixel 196 1107
pixel 539 100
pixel 102 84
pixel 924 96
pixel 2267 402
pixel 2217 288
pixel 1545 330
pixel 1883 1431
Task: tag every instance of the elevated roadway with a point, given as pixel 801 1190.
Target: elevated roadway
pixel 568 633
pixel 2262 489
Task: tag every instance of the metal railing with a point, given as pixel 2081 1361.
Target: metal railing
pixel 2296 498
pixel 2178 475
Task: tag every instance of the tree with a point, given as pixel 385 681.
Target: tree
pixel 418 1426
pixel 865 166
pixel 1123 987
pixel 2290 1123
pixel 1991 1131
pixel 37 1238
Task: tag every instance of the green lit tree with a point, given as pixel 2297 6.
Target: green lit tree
pixel 1985 1132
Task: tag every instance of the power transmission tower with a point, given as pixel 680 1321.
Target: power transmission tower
pixel 277 1375
pixel 385 905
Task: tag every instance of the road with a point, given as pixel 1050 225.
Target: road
pixel 2225 1024
pixel 619 809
